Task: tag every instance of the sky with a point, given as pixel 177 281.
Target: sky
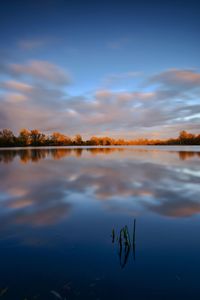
pixel 125 69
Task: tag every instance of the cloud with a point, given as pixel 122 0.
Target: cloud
pixel 38 42
pixel 16 85
pixel 177 78
pixel 164 108
pixel 119 43
pixel 15 98
pixel 30 44
pixel 106 113
pixel 43 70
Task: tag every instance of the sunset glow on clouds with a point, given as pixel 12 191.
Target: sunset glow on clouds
pixel 41 101
pixel 99 85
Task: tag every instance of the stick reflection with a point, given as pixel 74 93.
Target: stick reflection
pixel 124 243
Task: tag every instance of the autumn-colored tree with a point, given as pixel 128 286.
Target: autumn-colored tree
pixel 78 139
pixel 107 141
pixel 24 137
pixel 94 141
pixel 121 142
pixel 59 139
pixel 186 138
pixel 37 138
pixel 197 139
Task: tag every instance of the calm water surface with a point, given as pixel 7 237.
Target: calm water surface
pixel 61 212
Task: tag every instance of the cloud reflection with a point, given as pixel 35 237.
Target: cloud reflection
pixel 39 187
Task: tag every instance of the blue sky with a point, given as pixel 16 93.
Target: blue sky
pixel 100 67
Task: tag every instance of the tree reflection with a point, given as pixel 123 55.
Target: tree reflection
pixel 184 155
pixel 34 155
pixel 7 156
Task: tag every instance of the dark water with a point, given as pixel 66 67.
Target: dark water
pixel 58 208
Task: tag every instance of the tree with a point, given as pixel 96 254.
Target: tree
pixel 94 141
pixel 78 139
pixel 186 138
pixel 24 137
pixel 7 138
pixel 59 139
pixel 37 138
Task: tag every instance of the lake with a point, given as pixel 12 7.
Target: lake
pixel 100 223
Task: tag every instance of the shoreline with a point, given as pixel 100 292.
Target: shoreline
pixel 84 147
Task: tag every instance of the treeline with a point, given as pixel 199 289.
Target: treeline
pixel 36 138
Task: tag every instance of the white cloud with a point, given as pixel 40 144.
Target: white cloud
pixel 42 70
pixel 164 110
